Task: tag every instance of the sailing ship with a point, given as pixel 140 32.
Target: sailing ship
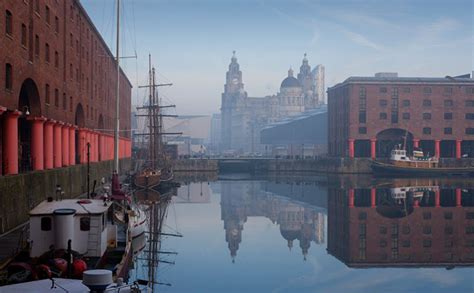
pixel 155 166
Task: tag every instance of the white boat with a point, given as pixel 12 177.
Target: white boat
pixel 93 281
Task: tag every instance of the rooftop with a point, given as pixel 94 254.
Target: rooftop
pixel 407 80
pixel 82 206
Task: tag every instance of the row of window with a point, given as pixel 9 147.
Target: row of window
pixel 426 116
pixel 9 21
pixel 426 90
pixel 425 103
pixel 427 130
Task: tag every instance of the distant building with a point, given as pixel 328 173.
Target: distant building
pixel 243 117
pixel 215 133
pixel 195 131
pixel 319 86
pixel 368 116
pixel 304 135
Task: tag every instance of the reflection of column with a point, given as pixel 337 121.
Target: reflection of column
pixel 82 145
pixel 10 142
pixel 416 203
pixel 437 151
pixel 416 143
pixel 373 148
pixel 351 197
pixel 437 197
pixel 48 144
pixel 373 197
pixel 351 148
pixel 458 197
pixel 458 148
pixel 57 145
pixel 72 145
pixel 37 142
pixel 65 154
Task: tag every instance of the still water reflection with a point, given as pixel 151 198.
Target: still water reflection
pixel 311 234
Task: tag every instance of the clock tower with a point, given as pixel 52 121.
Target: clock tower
pixel 233 108
pixel 233 77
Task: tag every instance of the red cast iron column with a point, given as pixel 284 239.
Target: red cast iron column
pixel 37 142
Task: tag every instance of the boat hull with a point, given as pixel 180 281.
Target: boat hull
pixel 380 168
pixel 147 179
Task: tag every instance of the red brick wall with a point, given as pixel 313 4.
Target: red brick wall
pixel 337 110
pixel 92 83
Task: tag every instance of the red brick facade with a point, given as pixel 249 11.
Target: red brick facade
pixel 431 112
pixel 437 231
pixel 55 62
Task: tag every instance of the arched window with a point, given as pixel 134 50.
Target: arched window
pixel 8 23
pixel 8 76
pixel 37 45
pixel 56 97
pixel 56 59
pixel 23 34
pixel 48 15
pixel 46 94
pixel 46 53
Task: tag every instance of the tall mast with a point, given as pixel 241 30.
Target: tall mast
pixel 150 112
pixel 117 100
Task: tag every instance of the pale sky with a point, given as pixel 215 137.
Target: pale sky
pixel 191 42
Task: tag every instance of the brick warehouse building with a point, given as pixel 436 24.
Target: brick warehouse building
pixel 58 84
pixel 369 115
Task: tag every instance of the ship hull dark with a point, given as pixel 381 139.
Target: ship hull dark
pixel 147 180
pixel 380 168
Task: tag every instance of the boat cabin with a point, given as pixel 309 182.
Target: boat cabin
pixel 83 221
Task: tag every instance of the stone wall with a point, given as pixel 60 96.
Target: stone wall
pixel 192 165
pixel 20 193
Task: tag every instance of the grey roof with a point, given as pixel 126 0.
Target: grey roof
pixel 290 81
pixel 373 79
pixel 317 111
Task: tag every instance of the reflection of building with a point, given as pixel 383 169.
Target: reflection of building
pixel 297 221
pixel 193 193
pixel 384 228
pixel 243 117
pixel 369 115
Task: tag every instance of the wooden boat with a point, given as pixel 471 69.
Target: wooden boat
pixel 403 165
pixel 148 178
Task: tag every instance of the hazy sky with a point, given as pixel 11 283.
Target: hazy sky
pixel 191 42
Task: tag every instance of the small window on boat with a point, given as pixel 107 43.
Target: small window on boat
pixel 46 224
pixel 85 224
pixel 403 158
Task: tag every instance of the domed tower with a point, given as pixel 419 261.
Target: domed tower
pixel 305 77
pixel 290 96
pixel 290 86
